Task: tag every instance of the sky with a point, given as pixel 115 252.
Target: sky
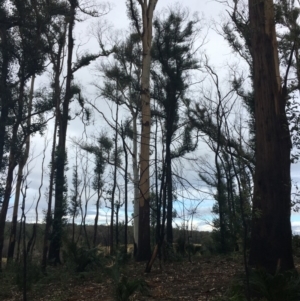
pixel 211 14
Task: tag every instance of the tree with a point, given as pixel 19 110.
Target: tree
pixel 145 32
pixel 29 56
pixel 172 55
pixel 56 38
pixel 22 163
pixel 271 235
pixel 173 58
pixel 70 92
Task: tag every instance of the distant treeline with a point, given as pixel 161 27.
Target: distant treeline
pixel 83 237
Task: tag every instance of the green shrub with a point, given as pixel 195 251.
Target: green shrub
pixel 125 288
pixel 81 258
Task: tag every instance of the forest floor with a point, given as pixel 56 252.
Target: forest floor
pixel 205 278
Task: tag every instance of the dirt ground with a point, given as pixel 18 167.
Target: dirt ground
pixel 202 279
pixel 205 278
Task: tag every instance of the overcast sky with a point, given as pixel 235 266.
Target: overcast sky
pixel 210 12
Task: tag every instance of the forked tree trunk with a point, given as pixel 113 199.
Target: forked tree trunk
pixel 271 235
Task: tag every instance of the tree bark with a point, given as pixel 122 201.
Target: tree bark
pixel 63 118
pixel 57 62
pixel 5 94
pixel 135 168
pixel 14 155
pixel 144 249
pixel 126 193
pixel 271 235
pixel 13 233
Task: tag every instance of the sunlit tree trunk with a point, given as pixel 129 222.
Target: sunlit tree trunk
pixel 144 250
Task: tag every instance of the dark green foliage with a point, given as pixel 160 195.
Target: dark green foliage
pixel 187 144
pixel 81 258
pixel 134 14
pixel 173 57
pixel 84 60
pixel 14 275
pixel 61 182
pixel 122 78
pixel 125 287
pixel 267 287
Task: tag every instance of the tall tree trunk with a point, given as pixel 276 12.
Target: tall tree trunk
pixel 144 249
pixel 12 163
pixel 169 189
pixel 157 196
pixel 5 97
pixel 271 235
pixel 126 192
pixel 49 208
pixel 135 168
pixel 56 102
pixel 86 187
pixel 13 233
pixel 114 184
pixel 59 208
pixel 99 194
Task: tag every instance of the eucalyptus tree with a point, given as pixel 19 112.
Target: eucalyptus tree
pixel 173 59
pixel 272 114
pixel 287 20
pixel 271 234
pixel 29 56
pixel 143 26
pixel 56 39
pixel 71 91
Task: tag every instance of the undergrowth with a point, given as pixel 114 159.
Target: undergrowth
pixel 266 287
